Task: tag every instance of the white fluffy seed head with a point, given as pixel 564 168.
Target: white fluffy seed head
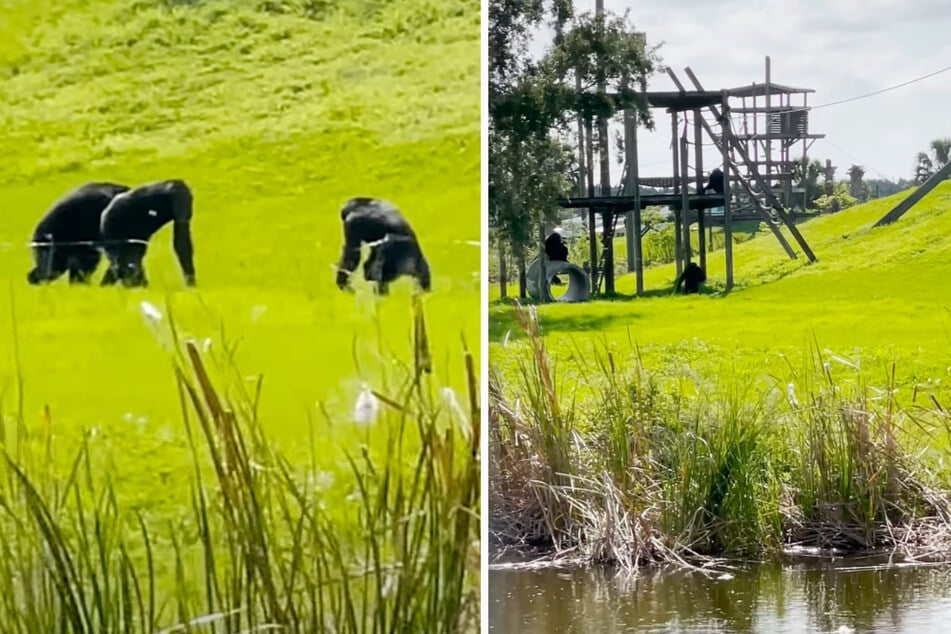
pixel 151 313
pixel 367 407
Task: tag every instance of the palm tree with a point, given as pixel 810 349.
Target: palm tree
pixel 927 165
pixel 941 149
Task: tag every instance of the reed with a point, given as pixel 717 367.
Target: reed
pixel 260 548
pixel 611 461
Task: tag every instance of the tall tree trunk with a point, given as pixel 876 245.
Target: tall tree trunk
pixel 543 291
pixel 522 290
pixel 503 272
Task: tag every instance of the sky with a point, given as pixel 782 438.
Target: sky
pixel 841 49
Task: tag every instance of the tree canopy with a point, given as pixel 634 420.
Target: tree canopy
pixel 533 101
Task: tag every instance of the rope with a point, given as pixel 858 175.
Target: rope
pixel 85 243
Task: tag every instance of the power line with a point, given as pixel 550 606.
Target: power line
pixel 871 94
pixel 852 156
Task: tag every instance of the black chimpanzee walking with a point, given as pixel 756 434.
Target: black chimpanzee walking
pixel 394 248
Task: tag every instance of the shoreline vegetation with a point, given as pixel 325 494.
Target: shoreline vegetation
pixel 596 459
pixel 258 549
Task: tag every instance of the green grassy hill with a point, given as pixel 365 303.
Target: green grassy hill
pixel 274 112
pixel 875 293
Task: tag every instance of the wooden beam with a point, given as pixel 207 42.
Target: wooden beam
pixel 727 220
pixel 914 197
pixel 627 203
pixel 698 159
pixel 684 200
pixel 635 243
pixel 678 238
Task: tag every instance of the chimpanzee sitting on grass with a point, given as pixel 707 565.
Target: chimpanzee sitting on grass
pixel 67 238
pixel 133 217
pixel 394 249
pixel 691 278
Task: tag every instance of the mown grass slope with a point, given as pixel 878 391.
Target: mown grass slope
pixel 274 112
pixel 874 295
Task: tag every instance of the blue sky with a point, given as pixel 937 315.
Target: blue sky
pixel 840 49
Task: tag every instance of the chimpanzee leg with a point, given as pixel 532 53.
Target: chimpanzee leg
pixel 374 270
pixel 125 265
pixel 110 277
pixel 372 267
pixel 396 258
pixel 82 264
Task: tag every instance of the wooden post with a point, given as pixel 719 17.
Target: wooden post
pixel 685 197
pixel 698 158
pixel 727 213
pixel 675 147
pixel 586 181
pixel 769 143
pixel 592 214
pixel 582 148
pixel 630 184
pixel 634 218
pixel 604 151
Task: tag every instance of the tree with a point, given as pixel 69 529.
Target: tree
pixel 526 177
pixel 926 165
pixel 924 168
pixel 806 175
pixel 879 187
pixel 530 102
pixel 839 199
pixel 856 185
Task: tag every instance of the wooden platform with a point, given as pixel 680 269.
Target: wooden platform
pixel 620 204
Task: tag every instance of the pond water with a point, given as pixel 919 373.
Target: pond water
pixel 841 597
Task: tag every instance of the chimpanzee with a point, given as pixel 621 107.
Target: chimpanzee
pixel 133 217
pixel 67 238
pixel 394 249
pixel 691 278
pixel 715 183
pixel 555 247
pixel 556 250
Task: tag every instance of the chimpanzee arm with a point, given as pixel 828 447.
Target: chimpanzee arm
pixel 182 241
pixel 680 281
pixel 423 275
pixel 350 257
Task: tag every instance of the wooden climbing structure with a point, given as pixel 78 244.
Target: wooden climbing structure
pixel 755 137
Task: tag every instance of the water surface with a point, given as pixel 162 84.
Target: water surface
pixel 860 596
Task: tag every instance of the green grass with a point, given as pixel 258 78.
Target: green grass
pixel 274 113
pixel 875 294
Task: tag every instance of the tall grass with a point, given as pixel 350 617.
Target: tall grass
pixel 610 461
pixel 260 548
